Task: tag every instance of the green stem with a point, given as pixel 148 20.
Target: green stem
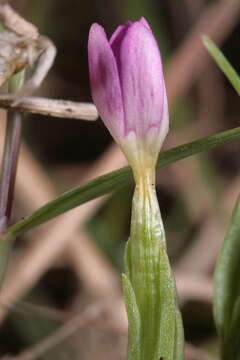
pixel 149 273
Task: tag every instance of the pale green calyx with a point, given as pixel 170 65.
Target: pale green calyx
pixel 155 325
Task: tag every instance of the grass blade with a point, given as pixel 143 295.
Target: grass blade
pixel 223 63
pixel 114 180
pixel 227 288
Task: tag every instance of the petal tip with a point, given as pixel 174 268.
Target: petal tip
pixel 96 30
pixel 144 22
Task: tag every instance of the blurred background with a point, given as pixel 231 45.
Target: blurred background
pixel 62 294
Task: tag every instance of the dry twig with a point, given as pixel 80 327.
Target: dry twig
pixel 52 107
pixel 15 23
pixel 20 47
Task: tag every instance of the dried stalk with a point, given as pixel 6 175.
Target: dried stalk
pixel 52 107
pixel 15 23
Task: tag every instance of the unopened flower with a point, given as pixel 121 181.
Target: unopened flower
pixel 129 92
pixel 128 89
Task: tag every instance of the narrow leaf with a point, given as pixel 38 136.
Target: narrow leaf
pixel 114 180
pixel 233 351
pixel 171 340
pixel 179 338
pixel 5 251
pixel 227 285
pixel 223 63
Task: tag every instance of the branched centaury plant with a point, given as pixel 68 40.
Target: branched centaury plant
pixel 129 92
pixel 114 180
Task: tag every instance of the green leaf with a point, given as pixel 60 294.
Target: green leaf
pixel 223 63
pixel 127 259
pixel 179 338
pixel 114 180
pixel 6 243
pixel 134 322
pixel 234 333
pixel 171 337
pixel 227 288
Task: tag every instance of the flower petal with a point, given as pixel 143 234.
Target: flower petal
pixel 104 80
pixel 119 32
pixel 144 22
pixel 141 79
pixel 116 42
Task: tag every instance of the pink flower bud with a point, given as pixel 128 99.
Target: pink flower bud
pixel 128 88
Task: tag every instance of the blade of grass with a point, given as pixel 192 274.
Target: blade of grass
pixel 227 289
pixel 223 63
pixel 114 180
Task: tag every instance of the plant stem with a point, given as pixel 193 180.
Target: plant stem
pixel 8 174
pixel 9 163
pixel 10 157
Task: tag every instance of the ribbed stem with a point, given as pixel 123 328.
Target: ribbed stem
pixel 8 175
pixel 10 156
pixel 151 279
pixel 9 163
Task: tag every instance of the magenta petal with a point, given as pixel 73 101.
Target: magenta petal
pixel 119 32
pixel 116 42
pixel 141 80
pixel 104 80
pixel 144 22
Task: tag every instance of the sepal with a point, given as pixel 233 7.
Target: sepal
pixel 151 278
pixel 134 322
